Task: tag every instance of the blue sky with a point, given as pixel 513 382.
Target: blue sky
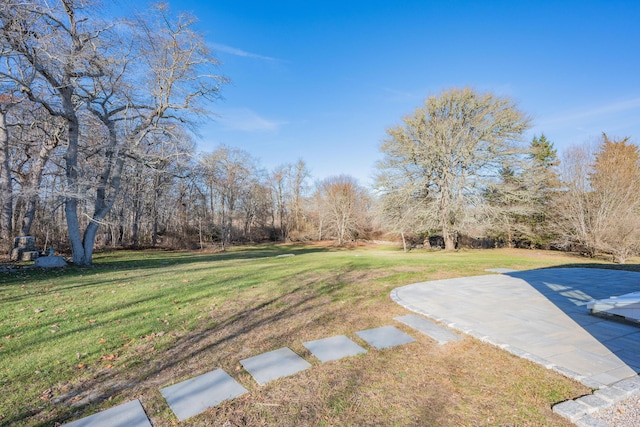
pixel 323 80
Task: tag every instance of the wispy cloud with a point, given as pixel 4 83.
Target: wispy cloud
pixel 611 108
pixel 398 95
pixel 246 120
pixel 239 52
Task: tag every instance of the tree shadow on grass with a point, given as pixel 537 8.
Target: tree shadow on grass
pixel 140 259
pixel 618 267
pixel 262 326
pixel 143 260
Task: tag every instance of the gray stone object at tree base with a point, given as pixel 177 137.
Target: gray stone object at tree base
pixel 50 262
pixel 24 249
pixel 25 242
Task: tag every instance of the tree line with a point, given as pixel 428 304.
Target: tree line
pixel 457 167
pixel 96 118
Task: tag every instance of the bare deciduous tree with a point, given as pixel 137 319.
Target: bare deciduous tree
pixel 38 135
pixel 572 209
pixel 6 187
pixel 398 210
pixel 229 172
pixel 279 190
pixel 446 151
pixel 288 186
pixel 600 208
pixel 60 44
pixel 615 182
pixel 345 207
pixel 133 89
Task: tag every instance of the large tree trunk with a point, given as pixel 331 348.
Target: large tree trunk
pixel 137 205
pixel 154 234
pixel 73 191
pixel 154 210
pixel 223 224
pixel 6 188
pixel 29 215
pixel 449 242
pixel 449 237
pixel 82 244
pixel 35 180
pixel 110 177
pixel 135 222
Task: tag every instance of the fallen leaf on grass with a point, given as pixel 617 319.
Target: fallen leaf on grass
pixel 109 356
pixel 154 335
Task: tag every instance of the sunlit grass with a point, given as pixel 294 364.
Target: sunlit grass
pixel 60 329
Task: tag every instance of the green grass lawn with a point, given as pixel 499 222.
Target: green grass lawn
pixel 79 340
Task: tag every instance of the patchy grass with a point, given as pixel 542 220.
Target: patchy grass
pixel 78 341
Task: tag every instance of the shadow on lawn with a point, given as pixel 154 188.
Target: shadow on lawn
pixel 220 344
pixel 570 287
pixel 158 258
pixel 144 260
pixel 619 267
pixel 161 259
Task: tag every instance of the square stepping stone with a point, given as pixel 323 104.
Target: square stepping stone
pixel 333 348
pixel 274 364
pixel 130 414
pixel 384 337
pixel 438 333
pixel 195 395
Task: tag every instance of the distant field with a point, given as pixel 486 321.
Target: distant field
pixel 77 341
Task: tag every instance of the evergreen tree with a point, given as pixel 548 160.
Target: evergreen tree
pixel 543 181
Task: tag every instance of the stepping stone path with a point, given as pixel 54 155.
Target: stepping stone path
pixel 438 333
pixel 130 414
pixel 274 364
pixel 193 396
pixel 333 348
pixel 385 337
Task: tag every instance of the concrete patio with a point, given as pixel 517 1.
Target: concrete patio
pixel 540 315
